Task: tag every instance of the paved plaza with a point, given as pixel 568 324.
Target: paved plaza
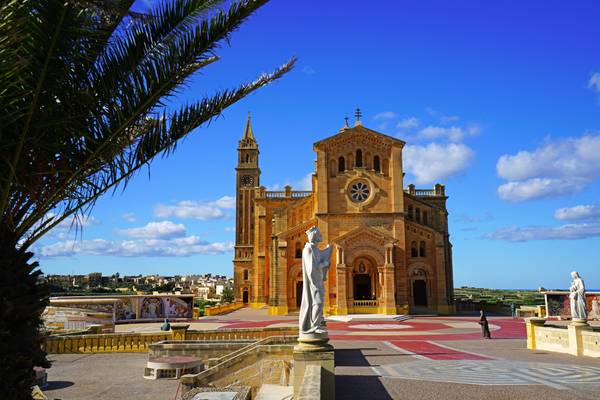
pixel 376 358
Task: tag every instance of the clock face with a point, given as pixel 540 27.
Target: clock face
pixel 247 180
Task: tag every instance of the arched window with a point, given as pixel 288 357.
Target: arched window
pixel 422 251
pixel 376 165
pixel 410 211
pixel 418 214
pixel 245 274
pixel 414 252
pixel 298 250
pixel 341 164
pixel 247 157
pixel 425 218
pixel 359 160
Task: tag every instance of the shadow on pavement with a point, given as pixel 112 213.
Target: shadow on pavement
pixel 360 387
pixel 54 385
pixel 351 357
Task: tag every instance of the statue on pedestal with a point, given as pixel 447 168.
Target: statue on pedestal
pixel 315 265
pixel 577 297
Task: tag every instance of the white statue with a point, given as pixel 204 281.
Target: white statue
pixel 315 265
pixel 577 297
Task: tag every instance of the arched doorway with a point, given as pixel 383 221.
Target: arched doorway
pixel 420 292
pixel 362 287
pixel 245 296
pixel 364 280
pixel 299 287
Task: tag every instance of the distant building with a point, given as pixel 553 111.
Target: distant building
pixel 392 247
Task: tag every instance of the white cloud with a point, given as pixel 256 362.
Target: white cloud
pixel 196 210
pixel 452 133
pixel 594 82
pixel 156 230
pixel 435 162
pixel 554 169
pixel 385 115
pixel 177 247
pixel 580 212
pixel 304 183
pixel 564 232
pixel 539 188
pixel 408 123
pixel 129 217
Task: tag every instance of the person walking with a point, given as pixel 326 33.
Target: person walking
pixel 485 327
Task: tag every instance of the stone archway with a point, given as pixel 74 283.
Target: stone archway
pixel 420 284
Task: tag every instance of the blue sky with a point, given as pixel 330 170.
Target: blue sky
pixel 500 102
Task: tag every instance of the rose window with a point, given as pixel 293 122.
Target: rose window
pixel 359 191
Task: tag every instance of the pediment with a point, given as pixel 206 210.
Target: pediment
pixel 349 136
pixel 365 234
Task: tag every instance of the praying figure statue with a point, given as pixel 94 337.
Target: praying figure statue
pixel 577 297
pixel 315 265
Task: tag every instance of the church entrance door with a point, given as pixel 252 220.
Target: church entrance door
pixel 245 296
pixel 299 286
pixel 362 287
pixel 420 292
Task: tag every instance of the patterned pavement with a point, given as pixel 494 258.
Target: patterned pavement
pixel 493 372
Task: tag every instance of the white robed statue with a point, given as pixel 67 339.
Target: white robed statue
pixel 577 297
pixel 315 265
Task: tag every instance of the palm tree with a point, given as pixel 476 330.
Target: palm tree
pixel 84 93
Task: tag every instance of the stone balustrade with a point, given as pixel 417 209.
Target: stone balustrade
pixel 222 308
pixel 131 342
pixel 576 339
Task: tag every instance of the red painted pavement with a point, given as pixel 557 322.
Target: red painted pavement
pixel 435 352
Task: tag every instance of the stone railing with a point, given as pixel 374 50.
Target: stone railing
pixel 365 303
pixel 575 339
pixel 222 308
pixel 299 194
pixel 132 342
pixel 437 191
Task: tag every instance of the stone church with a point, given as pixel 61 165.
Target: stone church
pixel 392 253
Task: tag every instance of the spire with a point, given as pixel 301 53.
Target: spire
pixel 248 135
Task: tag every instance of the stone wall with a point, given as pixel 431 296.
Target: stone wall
pixel 266 361
pixel 577 339
pixel 222 308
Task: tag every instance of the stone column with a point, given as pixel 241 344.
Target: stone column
pixel 341 292
pixel 387 304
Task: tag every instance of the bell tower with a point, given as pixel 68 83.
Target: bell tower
pixel 247 179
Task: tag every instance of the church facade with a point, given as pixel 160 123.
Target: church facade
pixel 392 252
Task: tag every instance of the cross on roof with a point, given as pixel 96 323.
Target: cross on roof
pixel 357 114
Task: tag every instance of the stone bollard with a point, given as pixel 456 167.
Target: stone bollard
pixel 179 331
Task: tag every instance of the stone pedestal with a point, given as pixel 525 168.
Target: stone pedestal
pixel 575 338
pixel 313 349
pixel 179 331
